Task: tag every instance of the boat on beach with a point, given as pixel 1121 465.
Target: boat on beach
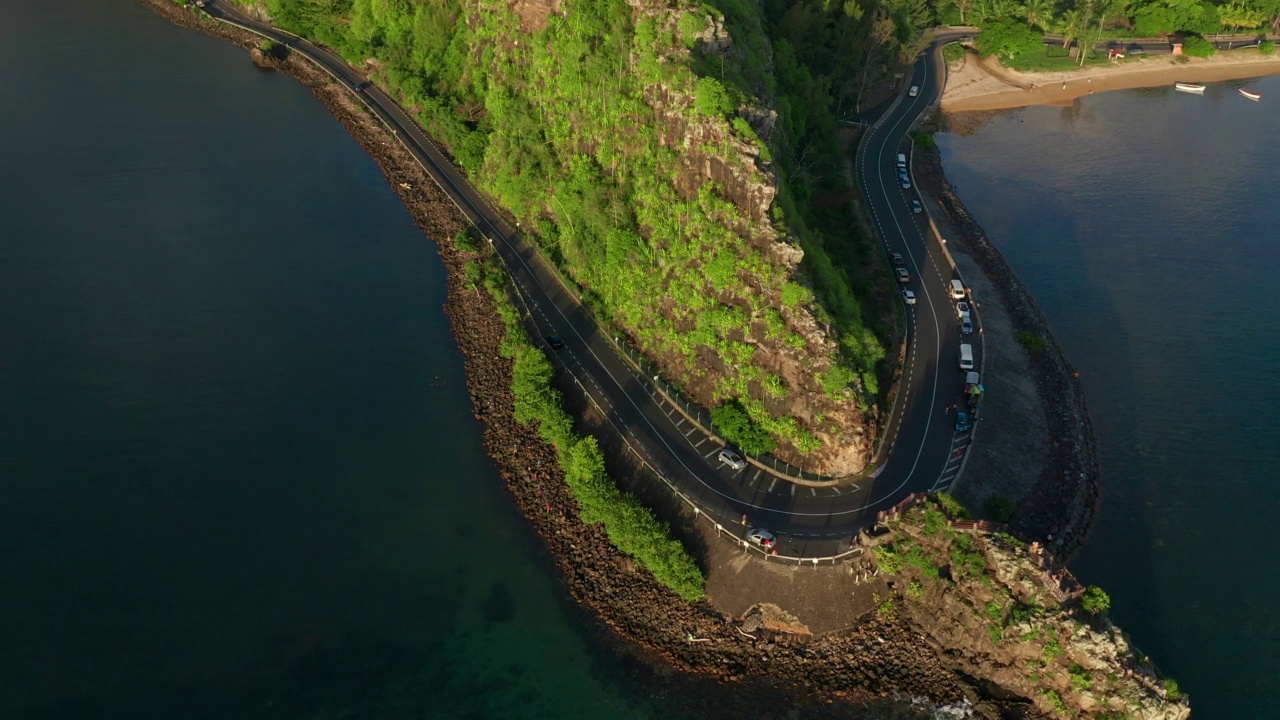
pixel 1251 94
pixel 1194 88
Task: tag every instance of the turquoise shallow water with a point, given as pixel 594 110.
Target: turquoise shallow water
pixel 1144 222
pixel 239 476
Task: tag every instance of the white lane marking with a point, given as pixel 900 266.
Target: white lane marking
pixel 772 484
pixel 924 286
pixel 439 175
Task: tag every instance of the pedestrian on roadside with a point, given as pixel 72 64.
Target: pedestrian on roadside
pixel 744 519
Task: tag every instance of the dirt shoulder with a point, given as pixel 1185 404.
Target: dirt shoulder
pixel 974 84
pixel 1035 441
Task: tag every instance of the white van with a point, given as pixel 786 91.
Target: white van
pixel 966 356
pixel 971 378
pixel 957 290
pixel 902 160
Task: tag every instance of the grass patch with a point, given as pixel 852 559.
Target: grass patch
pixel 1053 59
pixel 953 507
pixel 1031 341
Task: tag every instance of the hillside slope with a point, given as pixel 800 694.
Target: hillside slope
pixel 679 163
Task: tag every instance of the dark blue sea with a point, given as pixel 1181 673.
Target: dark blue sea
pixel 1146 225
pixel 239 474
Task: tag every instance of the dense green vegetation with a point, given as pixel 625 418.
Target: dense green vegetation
pixel 574 125
pixel 1014 31
pixel 1095 601
pixel 631 526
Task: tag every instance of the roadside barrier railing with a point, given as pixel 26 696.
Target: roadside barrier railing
pixel 700 417
pixel 722 526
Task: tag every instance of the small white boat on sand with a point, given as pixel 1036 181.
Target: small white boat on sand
pixel 1250 94
pixel 1194 88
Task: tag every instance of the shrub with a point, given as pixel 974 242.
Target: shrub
pixel 1095 600
pixel 836 380
pixel 934 521
pixel 1267 47
pixel 463 242
pixel 993 611
pixel 1054 700
pixel 1021 613
pixel 733 422
pixel 952 506
pixel 1080 678
pixel 471 271
pixel 999 508
pixel 691 25
pixel 1171 689
pixel 711 99
pixel 1052 649
pixel 886 560
pixel 1009 39
pixel 630 526
pixel 915 590
pixel 1031 341
pixel 1198 47
pixel 794 294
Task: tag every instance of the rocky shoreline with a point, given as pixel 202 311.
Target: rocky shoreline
pixel 724 670
pixel 1063 500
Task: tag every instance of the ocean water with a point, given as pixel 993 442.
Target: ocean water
pixel 239 475
pixel 1145 224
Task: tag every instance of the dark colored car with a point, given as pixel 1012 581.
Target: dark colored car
pixel 897 260
pixel 555 341
pixel 962 421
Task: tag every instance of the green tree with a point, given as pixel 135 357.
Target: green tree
pixel 1196 46
pixel 1095 600
pixel 1008 38
pixel 733 422
pixel 1038 13
pixel 710 98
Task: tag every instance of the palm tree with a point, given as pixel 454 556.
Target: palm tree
pixel 1237 15
pixel 1038 12
pixel 1004 8
pixel 1069 25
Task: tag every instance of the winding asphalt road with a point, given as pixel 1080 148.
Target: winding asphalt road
pixel 921 451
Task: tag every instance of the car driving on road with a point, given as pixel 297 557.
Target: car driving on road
pixel 555 342
pixel 916 208
pixel 962 310
pixel 908 297
pixel 897 260
pixel 914 91
pixel 903 275
pixel 906 181
pixel 730 457
pixel 966 326
pixel 962 421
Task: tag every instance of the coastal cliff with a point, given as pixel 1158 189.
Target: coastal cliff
pixel 678 164
pixel 920 639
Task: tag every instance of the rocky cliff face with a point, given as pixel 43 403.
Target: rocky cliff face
pixel 1009 614
pixel 603 129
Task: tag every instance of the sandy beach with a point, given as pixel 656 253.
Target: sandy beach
pixel 975 84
